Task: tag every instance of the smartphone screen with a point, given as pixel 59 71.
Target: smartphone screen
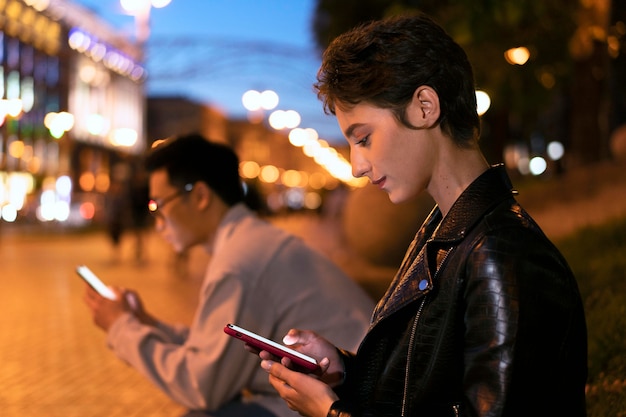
pixel 95 282
pixel 302 362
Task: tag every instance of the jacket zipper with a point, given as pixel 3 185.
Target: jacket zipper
pixel 412 339
pixel 408 359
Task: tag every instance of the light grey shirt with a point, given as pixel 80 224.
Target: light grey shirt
pixel 260 278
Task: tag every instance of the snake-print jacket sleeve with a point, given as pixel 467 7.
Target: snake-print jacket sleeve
pixel 484 318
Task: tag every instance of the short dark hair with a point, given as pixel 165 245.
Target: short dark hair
pixel 383 62
pixel 191 158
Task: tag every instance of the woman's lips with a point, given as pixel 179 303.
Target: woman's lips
pixel 380 182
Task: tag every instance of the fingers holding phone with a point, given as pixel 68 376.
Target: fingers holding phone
pixel 137 308
pixel 105 310
pixel 304 393
pixel 315 345
pixel 256 344
pixel 106 303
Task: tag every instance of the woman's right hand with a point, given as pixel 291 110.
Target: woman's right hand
pixel 314 345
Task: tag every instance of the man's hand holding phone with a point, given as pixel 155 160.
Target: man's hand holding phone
pixel 105 311
pixel 106 303
pixel 94 282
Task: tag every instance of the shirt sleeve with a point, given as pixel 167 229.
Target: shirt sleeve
pixel 175 333
pixel 204 371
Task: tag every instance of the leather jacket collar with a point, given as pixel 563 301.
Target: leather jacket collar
pixel 437 237
pixel 488 190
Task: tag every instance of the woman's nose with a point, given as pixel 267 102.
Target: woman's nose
pixel 359 165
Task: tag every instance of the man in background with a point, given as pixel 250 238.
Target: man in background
pixel 259 277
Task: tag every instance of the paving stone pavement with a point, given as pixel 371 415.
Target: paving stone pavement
pixel 54 361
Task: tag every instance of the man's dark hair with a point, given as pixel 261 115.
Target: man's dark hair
pixel 383 62
pixel 191 158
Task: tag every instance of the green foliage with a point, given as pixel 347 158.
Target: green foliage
pixel 598 258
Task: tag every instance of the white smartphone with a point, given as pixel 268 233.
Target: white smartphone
pixel 301 361
pixel 95 282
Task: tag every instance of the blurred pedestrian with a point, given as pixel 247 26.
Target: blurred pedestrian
pixel 259 277
pixel 117 211
pixel 140 216
pixel 484 317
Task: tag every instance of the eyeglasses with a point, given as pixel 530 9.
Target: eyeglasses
pixel 155 207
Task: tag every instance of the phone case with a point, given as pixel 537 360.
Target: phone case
pixel 301 361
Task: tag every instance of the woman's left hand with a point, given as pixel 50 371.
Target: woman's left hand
pixel 302 392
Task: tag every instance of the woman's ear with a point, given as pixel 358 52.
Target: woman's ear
pixel 423 111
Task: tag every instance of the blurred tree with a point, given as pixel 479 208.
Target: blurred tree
pixel 541 100
pixel 616 42
pixel 589 95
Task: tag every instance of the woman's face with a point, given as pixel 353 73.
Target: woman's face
pixel 397 159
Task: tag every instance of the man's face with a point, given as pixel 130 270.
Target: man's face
pixel 174 211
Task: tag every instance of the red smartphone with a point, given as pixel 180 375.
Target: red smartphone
pixel 301 361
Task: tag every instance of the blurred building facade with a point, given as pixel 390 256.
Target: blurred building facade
pixel 171 116
pixel 72 109
pixel 75 122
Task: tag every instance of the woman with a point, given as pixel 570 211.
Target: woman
pixel 484 317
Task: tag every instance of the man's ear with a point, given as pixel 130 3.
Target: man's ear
pixel 423 111
pixel 202 195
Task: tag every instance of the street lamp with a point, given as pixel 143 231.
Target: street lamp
pixel 517 56
pixel 258 102
pixel 281 119
pixel 483 102
pixel 140 9
pixel 254 100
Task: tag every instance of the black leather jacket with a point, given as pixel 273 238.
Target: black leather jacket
pixel 484 318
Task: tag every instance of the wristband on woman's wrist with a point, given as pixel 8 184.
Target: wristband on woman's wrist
pixel 336 410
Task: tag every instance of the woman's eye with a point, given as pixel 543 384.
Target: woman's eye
pixel 363 142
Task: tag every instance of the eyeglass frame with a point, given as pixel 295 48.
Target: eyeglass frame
pixel 158 206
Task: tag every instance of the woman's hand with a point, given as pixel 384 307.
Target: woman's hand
pixel 308 394
pixel 303 393
pixel 313 345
